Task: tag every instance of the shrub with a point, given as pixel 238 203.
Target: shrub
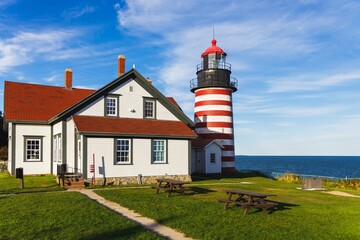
pixel 4 153
pixel 353 184
pixel 290 177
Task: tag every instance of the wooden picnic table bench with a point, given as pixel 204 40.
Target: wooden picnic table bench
pixel 170 185
pixel 247 200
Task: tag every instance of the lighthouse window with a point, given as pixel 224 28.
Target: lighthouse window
pixel 149 108
pixel 212 61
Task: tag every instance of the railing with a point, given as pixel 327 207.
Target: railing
pixel 214 82
pixel 63 170
pixel 214 64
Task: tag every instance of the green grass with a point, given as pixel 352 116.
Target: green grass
pixel 63 215
pixel 43 183
pixel 301 214
pixel 36 213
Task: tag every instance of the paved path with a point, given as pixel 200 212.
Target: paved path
pixel 344 194
pixel 147 223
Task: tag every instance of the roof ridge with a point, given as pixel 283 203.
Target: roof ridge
pixel 45 85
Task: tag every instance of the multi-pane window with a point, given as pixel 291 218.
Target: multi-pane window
pixel 212 158
pixel 57 149
pixel 149 108
pixel 111 106
pixel 159 152
pixel 123 148
pixel 32 149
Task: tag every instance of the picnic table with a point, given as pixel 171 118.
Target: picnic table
pixel 170 185
pixel 247 200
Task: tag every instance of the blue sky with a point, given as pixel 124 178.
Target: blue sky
pixel 297 62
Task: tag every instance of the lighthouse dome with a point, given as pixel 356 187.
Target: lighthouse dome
pixel 213 49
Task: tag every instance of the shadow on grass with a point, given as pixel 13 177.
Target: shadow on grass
pixel 199 190
pixel 31 190
pixel 280 206
pixel 122 233
pixel 133 232
pixel 218 176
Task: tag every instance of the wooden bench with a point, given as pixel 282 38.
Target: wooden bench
pixel 247 200
pixel 264 206
pixel 170 186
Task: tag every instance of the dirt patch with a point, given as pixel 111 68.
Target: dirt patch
pixel 344 194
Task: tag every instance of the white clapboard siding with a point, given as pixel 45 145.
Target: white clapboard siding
pixel 103 148
pixel 130 103
pixel 44 131
pixel 96 108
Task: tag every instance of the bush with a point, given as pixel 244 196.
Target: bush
pixel 289 177
pixel 4 153
pixel 353 184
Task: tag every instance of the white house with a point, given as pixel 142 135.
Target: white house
pixel 126 128
pixel 206 156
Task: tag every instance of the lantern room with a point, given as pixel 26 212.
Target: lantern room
pixel 214 71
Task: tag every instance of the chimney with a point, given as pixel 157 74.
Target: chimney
pixel 121 65
pixel 68 79
pixel 149 80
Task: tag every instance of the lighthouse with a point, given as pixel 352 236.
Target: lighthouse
pixel 213 114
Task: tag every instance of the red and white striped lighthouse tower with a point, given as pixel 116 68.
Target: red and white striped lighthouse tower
pixel 213 114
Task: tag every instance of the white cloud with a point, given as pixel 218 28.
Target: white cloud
pixel 150 15
pixel 295 111
pixel 52 78
pixel 77 12
pixel 311 82
pixel 6 3
pixel 25 46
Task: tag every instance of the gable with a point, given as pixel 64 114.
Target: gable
pixel 49 104
pixel 94 105
pixel 130 97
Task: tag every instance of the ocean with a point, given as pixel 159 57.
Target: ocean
pixel 328 166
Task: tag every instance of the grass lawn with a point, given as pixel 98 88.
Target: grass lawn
pixel 44 183
pixel 301 214
pixel 33 213
pixel 41 211
pixel 63 215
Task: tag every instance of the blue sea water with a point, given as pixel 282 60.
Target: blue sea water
pixel 330 166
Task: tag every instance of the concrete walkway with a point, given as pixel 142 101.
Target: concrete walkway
pixel 147 223
pixel 344 194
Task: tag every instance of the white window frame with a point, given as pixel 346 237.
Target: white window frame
pixel 212 158
pixel 111 110
pixel 28 148
pixel 159 152
pixel 123 151
pixel 147 110
pixel 57 148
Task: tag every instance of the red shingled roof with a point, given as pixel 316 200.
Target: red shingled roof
pixel 33 102
pixel 172 100
pixel 132 126
pixel 202 143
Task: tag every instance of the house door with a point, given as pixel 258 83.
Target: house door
pixel 199 162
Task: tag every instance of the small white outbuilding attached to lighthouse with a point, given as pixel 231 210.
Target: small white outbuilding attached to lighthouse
pixel 213 114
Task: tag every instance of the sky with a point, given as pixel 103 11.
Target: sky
pixel 296 61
